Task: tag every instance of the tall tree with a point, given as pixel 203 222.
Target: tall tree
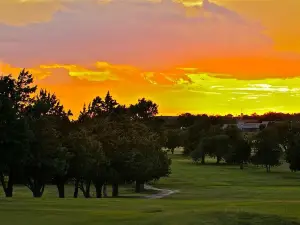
pixel 221 146
pixel 173 139
pixel 113 137
pixel 14 132
pixel 144 163
pixel 48 156
pixel 47 104
pixel 293 154
pixel 87 161
pixel 267 151
pixel 195 133
pixel 107 107
pixel 204 148
pixel 109 104
pixel 239 152
pixel 25 90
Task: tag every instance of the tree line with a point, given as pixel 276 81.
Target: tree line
pixel 187 130
pixel 271 146
pixel 109 144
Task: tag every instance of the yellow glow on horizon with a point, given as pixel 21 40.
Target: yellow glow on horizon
pixel 176 93
pixel 259 96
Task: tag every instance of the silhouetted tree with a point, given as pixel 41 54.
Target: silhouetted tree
pixel 293 154
pixel 144 109
pixel 239 152
pixel 14 130
pixel 48 158
pixel 173 139
pixel 267 151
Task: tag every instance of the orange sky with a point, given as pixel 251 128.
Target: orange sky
pixel 217 56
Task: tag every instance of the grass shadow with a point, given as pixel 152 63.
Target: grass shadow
pixel 245 218
pixel 205 217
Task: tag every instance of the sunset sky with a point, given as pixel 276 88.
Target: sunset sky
pixel 198 56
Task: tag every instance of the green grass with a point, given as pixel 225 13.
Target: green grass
pixel 213 195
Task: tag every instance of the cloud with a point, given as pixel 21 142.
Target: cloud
pixel 75 84
pixel 142 34
pixel 99 72
pixel 18 12
pixel 148 36
pixel 268 65
pixel 278 16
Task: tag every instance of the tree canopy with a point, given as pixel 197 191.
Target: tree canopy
pixel 110 143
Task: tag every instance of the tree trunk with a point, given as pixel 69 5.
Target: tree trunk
pixel 9 191
pixel 61 189
pixel 142 186
pixel 10 183
pixel 38 190
pixel 87 190
pixel 203 159
pixel 115 190
pixel 172 151
pixel 139 186
pixel 37 194
pixel 98 186
pixel 76 188
pixel 7 188
pixel 98 192
pixel 104 189
pixel 37 186
pixel 218 159
pixel 60 184
pixel 85 187
pixel 241 165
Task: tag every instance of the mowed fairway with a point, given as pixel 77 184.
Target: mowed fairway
pixel 208 195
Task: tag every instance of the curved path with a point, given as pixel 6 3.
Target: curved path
pixel 161 192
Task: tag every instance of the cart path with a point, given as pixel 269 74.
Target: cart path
pixel 162 193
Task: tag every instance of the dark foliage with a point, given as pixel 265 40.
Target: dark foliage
pixel 109 143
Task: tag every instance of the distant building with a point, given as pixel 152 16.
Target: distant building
pixel 249 125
